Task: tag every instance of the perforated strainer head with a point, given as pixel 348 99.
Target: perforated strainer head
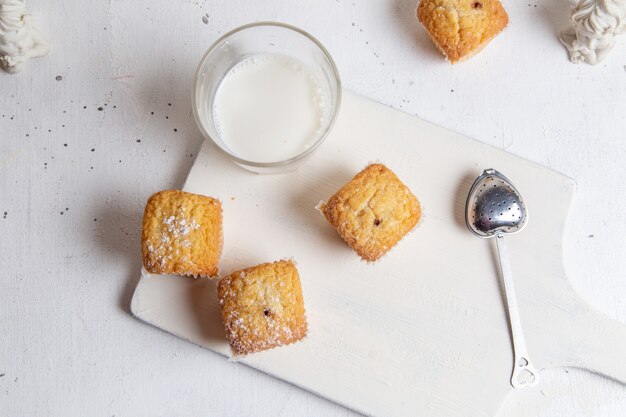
pixel 494 206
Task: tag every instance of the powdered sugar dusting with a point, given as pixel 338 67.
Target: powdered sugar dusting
pixel 179 227
pixel 174 235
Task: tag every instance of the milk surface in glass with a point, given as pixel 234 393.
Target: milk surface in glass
pixel 269 108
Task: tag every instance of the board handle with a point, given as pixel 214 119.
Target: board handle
pixel 593 342
pixel 580 336
pixel 605 352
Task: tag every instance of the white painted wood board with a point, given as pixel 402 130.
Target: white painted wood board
pixel 423 331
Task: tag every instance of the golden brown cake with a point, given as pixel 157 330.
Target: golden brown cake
pixel 373 211
pixel 182 234
pixel 461 28
pixel 262 307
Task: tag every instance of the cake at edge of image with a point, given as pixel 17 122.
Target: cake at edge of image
pixel 462 28
pixel 182 234
pixel 373 211
pixel 262 307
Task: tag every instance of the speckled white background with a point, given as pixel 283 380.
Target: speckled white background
pixel 73 181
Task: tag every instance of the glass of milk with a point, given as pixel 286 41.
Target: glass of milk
pixel 267 94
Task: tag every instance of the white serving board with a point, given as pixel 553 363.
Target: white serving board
pixel 422 332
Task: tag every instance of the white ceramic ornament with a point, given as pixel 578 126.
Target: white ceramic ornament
pixel 595 27
pixel 19 38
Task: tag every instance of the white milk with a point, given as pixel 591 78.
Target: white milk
pixel 269 108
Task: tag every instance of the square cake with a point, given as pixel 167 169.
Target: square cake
pixel 373 211
pixel 182 234
pixel 461 28
pixel 262 307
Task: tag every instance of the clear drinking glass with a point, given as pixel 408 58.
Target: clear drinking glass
pixel 254 39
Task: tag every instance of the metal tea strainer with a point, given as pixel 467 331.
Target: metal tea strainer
pixel 495 208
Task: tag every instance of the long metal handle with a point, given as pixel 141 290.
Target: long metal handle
pixel 524 373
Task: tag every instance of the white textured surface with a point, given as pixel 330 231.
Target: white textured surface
pixel 69 346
